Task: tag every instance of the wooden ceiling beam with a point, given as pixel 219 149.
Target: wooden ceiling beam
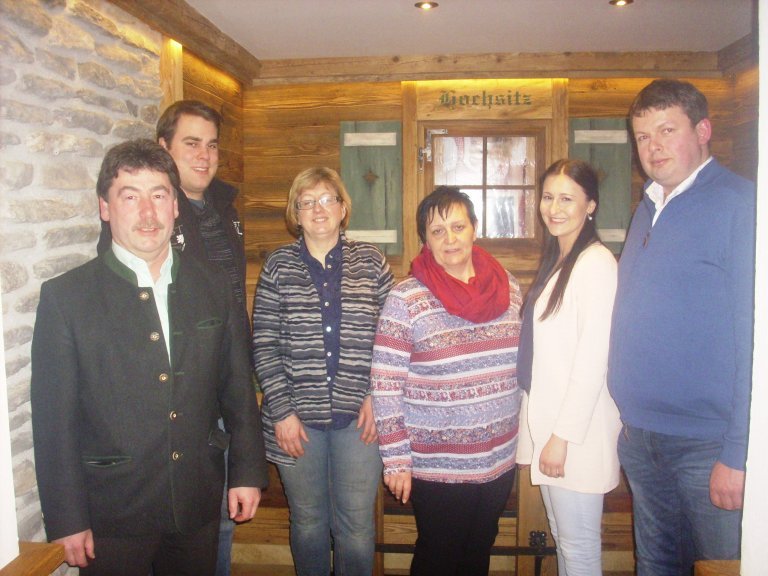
pixel 178 20
pixel 511 65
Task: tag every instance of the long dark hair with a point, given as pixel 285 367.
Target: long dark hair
pixel 586 177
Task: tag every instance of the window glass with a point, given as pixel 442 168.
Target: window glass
pixel 499 175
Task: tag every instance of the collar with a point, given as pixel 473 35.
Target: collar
pixel 335 253
pixel 141 275
pixel 656 193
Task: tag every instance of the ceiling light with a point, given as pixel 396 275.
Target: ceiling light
pixel 620 3
pixel 426 5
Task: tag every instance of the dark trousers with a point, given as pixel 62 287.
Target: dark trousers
pixel 171 554
pixel 457 525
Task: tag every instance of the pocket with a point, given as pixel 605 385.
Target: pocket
pixel 105 461
pixel 218 438
pixel 209 323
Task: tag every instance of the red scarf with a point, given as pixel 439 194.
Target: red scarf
pixel 483 298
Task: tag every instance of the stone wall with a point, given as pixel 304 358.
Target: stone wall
pixel 76 77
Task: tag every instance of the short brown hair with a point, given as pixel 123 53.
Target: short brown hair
pixel 310 178
pixel 662 94
pixel 166 125
pixel 133 155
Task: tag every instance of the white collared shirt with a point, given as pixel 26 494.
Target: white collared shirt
pixel 144 280
pixel 656 192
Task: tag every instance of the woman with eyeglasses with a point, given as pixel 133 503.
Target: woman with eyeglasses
pixel 314 319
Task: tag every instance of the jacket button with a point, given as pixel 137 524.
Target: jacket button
pixel 175 456
pixel 163 377
pixel 143 295
pixel 173 415
pixel 154 336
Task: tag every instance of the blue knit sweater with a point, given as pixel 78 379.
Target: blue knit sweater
pixel 681 341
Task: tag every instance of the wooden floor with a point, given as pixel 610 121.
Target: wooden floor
pixel 274 570
pixel 261 547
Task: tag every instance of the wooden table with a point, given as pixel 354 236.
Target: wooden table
pixel 35 559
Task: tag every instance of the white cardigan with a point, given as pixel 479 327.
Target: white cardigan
pixel 569 396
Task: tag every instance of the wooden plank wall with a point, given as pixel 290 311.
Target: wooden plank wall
pixel 225 94
pixel 290 128
pixel 743 128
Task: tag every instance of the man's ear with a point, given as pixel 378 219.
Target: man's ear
pixel 162 142
pixel 704 131
pixel 103 209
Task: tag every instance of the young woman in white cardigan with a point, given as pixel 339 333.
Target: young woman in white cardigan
pixel 569 424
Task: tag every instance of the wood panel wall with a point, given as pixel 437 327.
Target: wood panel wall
pixel 291 127
pixel 224 93
pixel 744 123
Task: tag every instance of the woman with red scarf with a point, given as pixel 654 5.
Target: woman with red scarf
pixel 445 393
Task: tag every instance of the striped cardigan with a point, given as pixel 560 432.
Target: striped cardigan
pixel 288 350
pixel 445 393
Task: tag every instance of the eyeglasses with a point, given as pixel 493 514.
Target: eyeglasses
pixel 325 202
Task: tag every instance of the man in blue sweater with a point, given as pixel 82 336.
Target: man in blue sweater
pixel 681 345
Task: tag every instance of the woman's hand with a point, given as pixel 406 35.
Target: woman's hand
pixel 366 422
pixel 552 459
pixel 290 432
pixel 399 484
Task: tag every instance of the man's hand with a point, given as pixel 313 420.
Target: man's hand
pixel 726 487
pixel 399 484
pixel 289 433
pixel 78 548
pixel 243 502
pixel 366 422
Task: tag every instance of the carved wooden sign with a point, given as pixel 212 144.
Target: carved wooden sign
pixel 484 99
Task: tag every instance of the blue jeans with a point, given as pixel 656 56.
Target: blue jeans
pixel 226 534
pixel 675 521
pixel 575 520
pixel 331 492
pixel 226 526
